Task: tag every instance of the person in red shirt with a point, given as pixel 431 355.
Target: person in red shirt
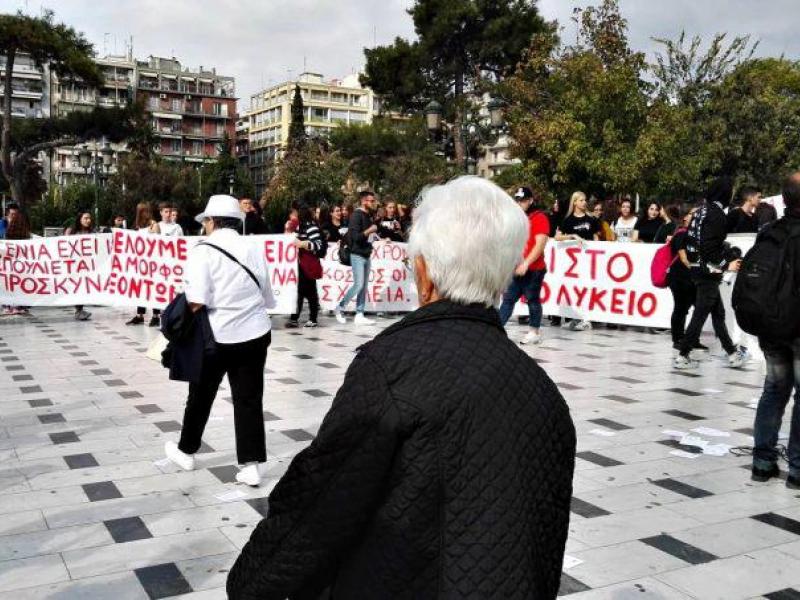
pixel 529 274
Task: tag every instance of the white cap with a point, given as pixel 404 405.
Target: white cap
pixel 222 206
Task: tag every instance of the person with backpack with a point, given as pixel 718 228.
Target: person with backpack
pixel 710 258
pixel 311 248
pixel 529 274
pixel 680 283
pixel 775 319
pixel 360 229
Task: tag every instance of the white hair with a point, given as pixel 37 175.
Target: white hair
pixel 471 235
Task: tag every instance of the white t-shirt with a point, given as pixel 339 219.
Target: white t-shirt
pixel 170 228
pixel 623 228
pixel 237 308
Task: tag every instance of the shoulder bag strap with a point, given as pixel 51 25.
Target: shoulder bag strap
pixel 234 259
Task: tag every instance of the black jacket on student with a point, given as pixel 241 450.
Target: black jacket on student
pixel 190 340
pixel 360 221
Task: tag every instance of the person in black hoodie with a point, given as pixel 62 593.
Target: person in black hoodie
pixel 710 257
pixel 783 370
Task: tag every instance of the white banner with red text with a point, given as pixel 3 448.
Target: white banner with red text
pixel 122 268
pixel 597 281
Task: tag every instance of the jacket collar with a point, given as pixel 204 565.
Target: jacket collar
pixel 446 310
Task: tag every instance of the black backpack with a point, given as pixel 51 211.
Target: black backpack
pixel 766 295
pixel 344 250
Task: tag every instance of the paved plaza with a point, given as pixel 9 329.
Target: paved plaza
pixel 90 510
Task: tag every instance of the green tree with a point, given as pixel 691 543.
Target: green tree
pixel 378 152
pixel 578 110
pixel 297 127
pixel 68 54
pixel 226 173
pixel 755 113
pixel 312 173
pixel 463 48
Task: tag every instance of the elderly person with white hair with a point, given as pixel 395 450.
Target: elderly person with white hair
pixel 444 467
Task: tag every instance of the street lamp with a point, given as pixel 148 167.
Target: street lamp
pixel 98 162
pixel 496 117
pixel 433 115
pixel 231 181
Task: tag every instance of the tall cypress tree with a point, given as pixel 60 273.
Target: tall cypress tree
pixel 297 128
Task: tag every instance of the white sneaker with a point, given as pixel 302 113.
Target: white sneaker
pixel 249 475
pixel 532 338
pixel 183 460
pixel 567 324
pixel 362 320
pixel 736 360
pixel 581 326
pixel 337 312
pixel 683 363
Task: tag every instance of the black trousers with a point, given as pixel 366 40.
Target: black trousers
pixel 306 289
pixel 683 296
pixel 141 310
pixel 707 302
pixel 244 365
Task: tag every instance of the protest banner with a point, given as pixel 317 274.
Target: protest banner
pixel 54 271
pixel 598 281
pixel 391 285
pixel 606 282
pixel 122 268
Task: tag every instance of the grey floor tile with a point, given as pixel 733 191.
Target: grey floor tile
pixel 168 426
pixel 679 487
pixel 586 509
pixel 64 437
pixel 163 581
pixel 103 490
pixel 127 529
pixel 225 473
pixel 598 459
pixel 670 545
pixel 51 418
pixel 570 585
pixel 80 461
pixel 785 523
pixel 40 403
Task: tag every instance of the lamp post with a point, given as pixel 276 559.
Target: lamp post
pixel 433 120
pixel 231 181
pixel 98 162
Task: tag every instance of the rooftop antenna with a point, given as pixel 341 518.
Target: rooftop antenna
pixel 105 43
pixel 374 35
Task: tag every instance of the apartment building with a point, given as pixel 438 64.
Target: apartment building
pixel 327 104
pixel 69 95
pixel 192 111
pixel 30 90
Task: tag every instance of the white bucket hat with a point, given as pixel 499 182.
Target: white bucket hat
pixel 221 205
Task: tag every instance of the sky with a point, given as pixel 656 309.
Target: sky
pixel 265 42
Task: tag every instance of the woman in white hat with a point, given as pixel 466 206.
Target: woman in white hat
pixel 228 276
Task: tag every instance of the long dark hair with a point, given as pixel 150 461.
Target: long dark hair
pixel 77 227
pixel 144 215
pixel 19 228
pixel 646 209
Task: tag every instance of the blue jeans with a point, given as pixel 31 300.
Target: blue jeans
pixel 783 374
pixel 530 286
pixel 360 280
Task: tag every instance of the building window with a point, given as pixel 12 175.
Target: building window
pixel 216 108
pixel 197 148
pixel 177 105
pixel 176 146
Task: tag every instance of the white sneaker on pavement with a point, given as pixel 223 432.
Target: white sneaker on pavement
pixel 362 320
pixel 337 312
pixel 183 460
pixel 581 325
pixel 683 363
pixel 532 338
pixel 249 475
pixel 736 360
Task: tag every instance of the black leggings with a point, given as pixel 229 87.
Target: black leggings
pixel 306 289
pixel 683 295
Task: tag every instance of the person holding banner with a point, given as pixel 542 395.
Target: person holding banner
pixel 144 222
pixel 18 227
pixel 444 466
pixel 311 247
pixel 578 226
pixel 529 274
pixel 84 225
pixel 228 276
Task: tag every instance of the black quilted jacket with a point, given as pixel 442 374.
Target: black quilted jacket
pixel 443 470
